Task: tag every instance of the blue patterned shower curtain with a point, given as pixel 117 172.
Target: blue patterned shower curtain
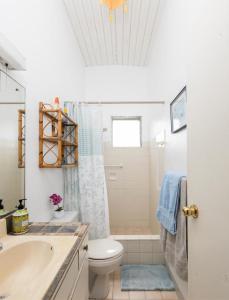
pixel 85 187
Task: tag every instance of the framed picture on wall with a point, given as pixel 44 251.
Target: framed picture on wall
pixel 178 114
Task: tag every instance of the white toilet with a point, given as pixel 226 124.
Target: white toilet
pixel 104 256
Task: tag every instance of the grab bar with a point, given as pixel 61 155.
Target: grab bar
pixel 114 166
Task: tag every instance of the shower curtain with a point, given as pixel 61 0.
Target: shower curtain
pixel 85 186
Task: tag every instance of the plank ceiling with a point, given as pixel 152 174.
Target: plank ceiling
pixel 124 41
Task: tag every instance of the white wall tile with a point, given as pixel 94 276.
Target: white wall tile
pixel 124 244
pixel 157 248
pixel 146 258
pixel 125 259
pixel 158 258
pixel 133 258
pixel 134 246
pixel 146 246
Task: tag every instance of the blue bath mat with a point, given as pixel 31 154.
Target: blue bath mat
pixel 146 278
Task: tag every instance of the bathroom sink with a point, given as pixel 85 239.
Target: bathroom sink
pixel 29 264
pixel 21 264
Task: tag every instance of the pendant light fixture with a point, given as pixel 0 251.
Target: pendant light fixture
pixel 113 4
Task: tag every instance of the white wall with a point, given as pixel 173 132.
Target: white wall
pixel 167 73
pixel 167 77
pixel 41 31
pixel 116 83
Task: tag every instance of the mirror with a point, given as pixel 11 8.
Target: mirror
pixel 12 142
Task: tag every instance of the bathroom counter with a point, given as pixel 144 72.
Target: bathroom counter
pixel 63 240
pixel 57 228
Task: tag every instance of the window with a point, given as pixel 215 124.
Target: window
pixel 126 131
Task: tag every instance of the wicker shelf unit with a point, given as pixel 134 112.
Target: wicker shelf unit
pixel 58 138
pixel 21 138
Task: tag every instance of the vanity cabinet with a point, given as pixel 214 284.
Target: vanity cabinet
pixel 81 290
pixel 74 285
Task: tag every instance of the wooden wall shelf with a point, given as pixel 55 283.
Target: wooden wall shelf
pixel 58 138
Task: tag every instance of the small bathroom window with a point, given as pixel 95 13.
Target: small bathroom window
pixel 126 132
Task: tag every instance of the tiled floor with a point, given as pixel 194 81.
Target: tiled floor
pixel 117 294
pixel 133 230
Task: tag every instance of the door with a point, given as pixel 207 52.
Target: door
pixel 208 148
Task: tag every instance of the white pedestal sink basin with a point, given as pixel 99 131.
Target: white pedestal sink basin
pixel 22 263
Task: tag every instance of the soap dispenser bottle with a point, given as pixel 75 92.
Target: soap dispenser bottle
pixel 2 210
pixel 20 218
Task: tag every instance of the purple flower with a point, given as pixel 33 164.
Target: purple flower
pixel 55 199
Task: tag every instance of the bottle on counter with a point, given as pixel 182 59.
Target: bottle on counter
pixel 20 219
pixel 65 110
pixel 56 103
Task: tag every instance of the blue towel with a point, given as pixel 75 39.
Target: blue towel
pixel 169 201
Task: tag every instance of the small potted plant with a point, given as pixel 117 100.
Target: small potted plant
pixel 56 200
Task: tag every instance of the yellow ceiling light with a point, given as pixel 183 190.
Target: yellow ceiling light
pixel 113 4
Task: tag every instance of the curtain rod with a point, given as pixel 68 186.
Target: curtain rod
pixel 12 103
pixel 121 102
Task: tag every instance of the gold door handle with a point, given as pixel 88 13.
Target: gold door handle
pixel 192 210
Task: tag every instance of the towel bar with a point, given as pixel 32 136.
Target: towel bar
pixel 114 166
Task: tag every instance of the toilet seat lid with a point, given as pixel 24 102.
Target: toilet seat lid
pixel 104 249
